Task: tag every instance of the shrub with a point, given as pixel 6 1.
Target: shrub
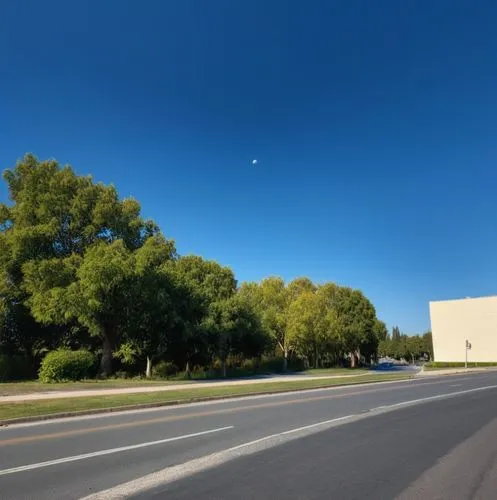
pixel 297 364
pixel 275 364
pixel 250 365
pixel 14 368
pixel 271 364
pixel 164 369
pixel 217 364
pixel 234 361
pixel 63 364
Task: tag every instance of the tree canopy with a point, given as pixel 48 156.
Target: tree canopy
pixel 81 268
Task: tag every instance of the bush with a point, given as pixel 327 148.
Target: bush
pixel 250 365
pixel 63 364
pixel 298 364
pixel 14 368
pixel 217 364
pixel 164 369
pixel 275 364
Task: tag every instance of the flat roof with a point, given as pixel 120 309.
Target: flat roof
pixel 465 298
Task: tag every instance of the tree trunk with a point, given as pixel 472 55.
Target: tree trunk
pixel 285 359
pixel 187 370
pixel 316 362
pixel 224 369
pixel 148 371
pixel 108 347
pixel 352 360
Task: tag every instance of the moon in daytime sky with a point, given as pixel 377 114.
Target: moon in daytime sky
pixel 255 162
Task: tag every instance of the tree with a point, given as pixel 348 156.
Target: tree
pixel 428 344
pixel 312 324
pixel 155 302
pixel 206 278
pixel 204 283
pixel 233 328
pixel 270 300
pixel 396 334
pixel 67 247
pixel 356 317
pixel 380 330
pixel 298 286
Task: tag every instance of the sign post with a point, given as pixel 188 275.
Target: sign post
pixel 468 347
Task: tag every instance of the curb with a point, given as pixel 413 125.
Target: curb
pixel 144 406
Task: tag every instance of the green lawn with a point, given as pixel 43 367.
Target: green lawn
pixel 336 371
pixel 52 406
pixel 442 365
pixel 32 386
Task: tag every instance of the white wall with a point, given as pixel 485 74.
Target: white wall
pixel 454 321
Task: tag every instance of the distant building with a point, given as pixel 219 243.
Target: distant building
pixel 453 322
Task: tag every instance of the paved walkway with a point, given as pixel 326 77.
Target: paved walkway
pixel 217 383
pixel 169 387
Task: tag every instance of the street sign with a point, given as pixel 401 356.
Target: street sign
pixel 468 347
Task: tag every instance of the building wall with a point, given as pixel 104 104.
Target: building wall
pixel 454 321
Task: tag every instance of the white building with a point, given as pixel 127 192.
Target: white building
pixel 455 321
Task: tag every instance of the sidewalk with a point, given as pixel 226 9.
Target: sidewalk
pixel 168 387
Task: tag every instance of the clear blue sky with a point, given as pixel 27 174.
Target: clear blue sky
pixel 374 123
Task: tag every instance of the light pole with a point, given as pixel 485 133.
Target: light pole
pixel 468 347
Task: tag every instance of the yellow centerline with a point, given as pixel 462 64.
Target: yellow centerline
pixel 175 418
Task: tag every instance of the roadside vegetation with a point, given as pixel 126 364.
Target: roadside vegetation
pixel 411 348
pixel 89 289
pixel 73 405
pixel 453 364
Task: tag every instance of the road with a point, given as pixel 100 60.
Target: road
pixel 426 438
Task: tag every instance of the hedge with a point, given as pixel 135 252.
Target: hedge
pixel 63 364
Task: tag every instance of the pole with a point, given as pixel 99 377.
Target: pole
pixel 466 360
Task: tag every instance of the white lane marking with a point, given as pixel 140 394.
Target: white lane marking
pixel 291 431
pixel 401 384
pixel 110 451
pixel 432 398
pixel 173 473
pixel 455 385
pixel 177 472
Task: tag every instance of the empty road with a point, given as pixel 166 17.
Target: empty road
pixel 426 438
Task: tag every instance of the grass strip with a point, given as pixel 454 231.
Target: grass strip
pixel 46 407
pixel 34 386
pixel 445 366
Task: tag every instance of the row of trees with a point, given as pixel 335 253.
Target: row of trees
pixel 411 348
pixel 80 268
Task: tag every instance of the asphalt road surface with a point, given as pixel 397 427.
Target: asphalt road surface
pixel 422 439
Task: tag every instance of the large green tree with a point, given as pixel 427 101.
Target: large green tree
pixel 233 327
pixel 66 246
pixel 156 304
pixel 356 317
pixel 207 284
pixel 270 299
pixel 312 324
